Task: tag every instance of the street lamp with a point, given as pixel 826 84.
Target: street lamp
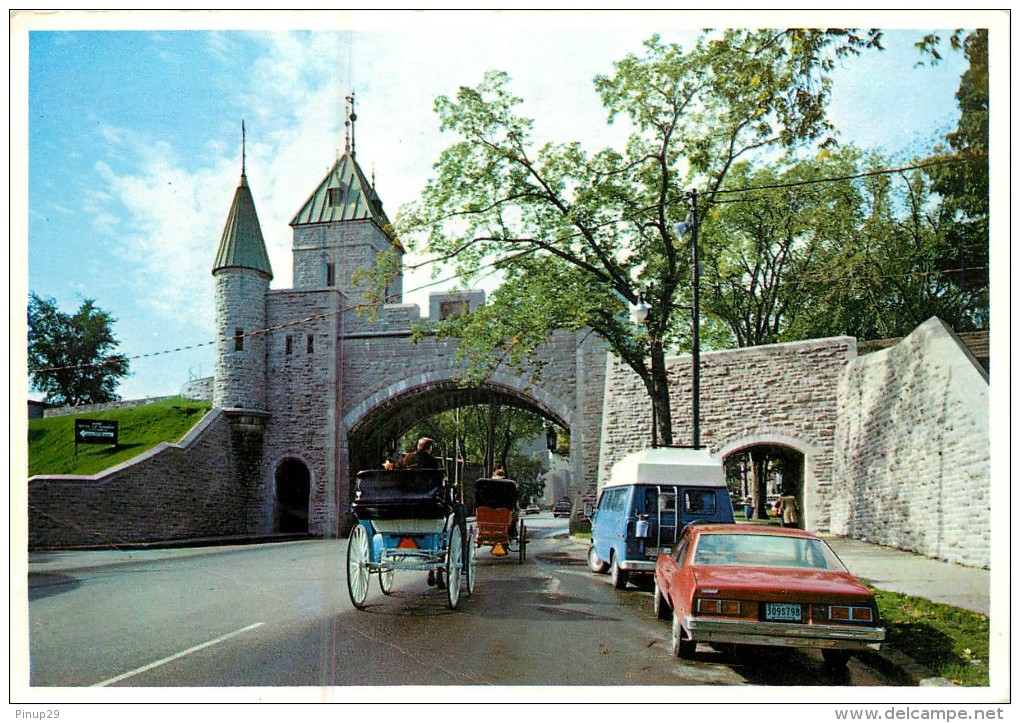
pixel 682 229
pixel 550 437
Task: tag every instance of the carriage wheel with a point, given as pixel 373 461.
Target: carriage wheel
pixel 386 581
pixel 357 566
pixel 454 564
pixel 470 561
pixel 523 535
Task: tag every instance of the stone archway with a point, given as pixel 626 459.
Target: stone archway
pixel 293 492
pixel 373 425
pixel 793 464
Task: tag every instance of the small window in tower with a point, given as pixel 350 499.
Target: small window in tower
pixel 330 275
pixel 333 196
pixel 290 344
pixel 450 309
pixel 311 344
pixel 238 339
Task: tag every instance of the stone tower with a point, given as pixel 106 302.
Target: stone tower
pixel 342 230
pixel 242 274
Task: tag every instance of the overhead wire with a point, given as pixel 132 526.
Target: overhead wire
pixel 495 264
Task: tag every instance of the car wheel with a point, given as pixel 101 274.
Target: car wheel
pixel 662 611
pixel 836 659
pixel 619 576
pixel 683 647
pixel 595 563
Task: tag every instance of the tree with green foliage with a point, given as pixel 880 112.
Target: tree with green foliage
pixel 576 237
pixel 963 185
pixel 488 437
pixel 71 357
pixel 759 245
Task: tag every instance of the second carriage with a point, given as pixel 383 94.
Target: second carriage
pixel 497 519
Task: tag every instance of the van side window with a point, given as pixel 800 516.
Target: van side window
pixel 699 502
pixel 618 500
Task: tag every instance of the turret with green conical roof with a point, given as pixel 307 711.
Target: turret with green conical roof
pixel 242 274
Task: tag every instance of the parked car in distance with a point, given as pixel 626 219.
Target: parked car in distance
pixel 642 510
pixel 532 510
pixel 562 509
pixel 762 585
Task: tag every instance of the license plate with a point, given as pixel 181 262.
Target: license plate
pixel 651 552
pixel 785 612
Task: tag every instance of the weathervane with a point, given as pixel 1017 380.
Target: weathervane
pixel 349 123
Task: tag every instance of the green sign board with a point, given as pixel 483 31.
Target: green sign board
pixel 95 431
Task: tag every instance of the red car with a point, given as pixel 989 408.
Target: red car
pixel 748 584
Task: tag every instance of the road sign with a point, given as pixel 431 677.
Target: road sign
pixel 95 431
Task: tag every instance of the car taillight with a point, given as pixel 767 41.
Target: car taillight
pixel 712 606
pixel 850 614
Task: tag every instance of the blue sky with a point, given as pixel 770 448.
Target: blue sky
pixel 133 134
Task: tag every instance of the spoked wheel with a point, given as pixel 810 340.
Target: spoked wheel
pixel 523 535
pixel 357 566
pixel 386 581
pixel 470 561
pixel 454 564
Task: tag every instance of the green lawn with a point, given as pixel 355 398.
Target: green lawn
pixel 51 448
pixel 951 642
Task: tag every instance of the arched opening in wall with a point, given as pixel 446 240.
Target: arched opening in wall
pixel 293 488
pixel 477 429
pixel 766 482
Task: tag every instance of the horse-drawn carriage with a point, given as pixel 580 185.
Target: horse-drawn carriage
pixel 496 517
pixel 408 519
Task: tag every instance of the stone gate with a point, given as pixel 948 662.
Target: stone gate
pixel 309 388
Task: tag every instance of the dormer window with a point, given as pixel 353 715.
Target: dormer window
pixel 334 196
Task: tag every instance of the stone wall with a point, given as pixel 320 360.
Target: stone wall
pixel 174 491
pixel 303 398
pixel 781 394
pixel 105 406
pixel 912 466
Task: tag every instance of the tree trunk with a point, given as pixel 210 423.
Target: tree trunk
pixel 661 416
pixel 759 477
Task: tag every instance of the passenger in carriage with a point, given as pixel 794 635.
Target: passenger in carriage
pixel 421 458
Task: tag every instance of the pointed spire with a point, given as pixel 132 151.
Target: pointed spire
pixel 242 244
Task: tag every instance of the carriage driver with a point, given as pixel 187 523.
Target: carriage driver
pixel 421 458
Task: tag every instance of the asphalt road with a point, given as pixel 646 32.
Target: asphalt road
pixel 278 615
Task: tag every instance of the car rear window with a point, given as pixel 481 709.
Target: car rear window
pixel 765 551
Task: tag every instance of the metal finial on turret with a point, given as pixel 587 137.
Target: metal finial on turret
pixel 243 151
pixel 351 118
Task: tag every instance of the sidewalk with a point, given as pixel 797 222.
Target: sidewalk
pixel 907 573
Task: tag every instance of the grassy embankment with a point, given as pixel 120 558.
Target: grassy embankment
pixel 951 642
pixel 51 448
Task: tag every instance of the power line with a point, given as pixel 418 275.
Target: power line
pixel 494 264
pixel 833 179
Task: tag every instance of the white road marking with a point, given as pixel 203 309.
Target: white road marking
pixel 175 656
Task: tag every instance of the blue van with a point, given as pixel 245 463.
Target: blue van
pixel 651 496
